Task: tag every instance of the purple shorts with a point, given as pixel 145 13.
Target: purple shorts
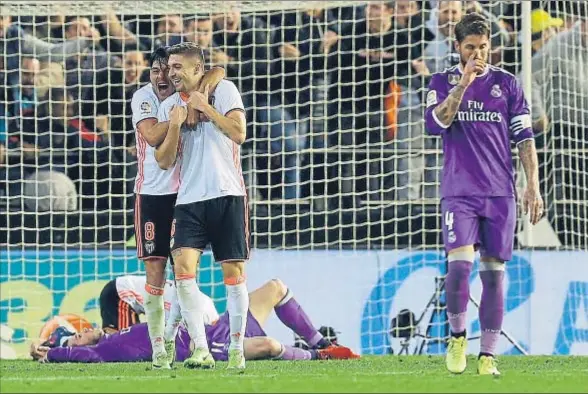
pixel 218 335
pixel 485 222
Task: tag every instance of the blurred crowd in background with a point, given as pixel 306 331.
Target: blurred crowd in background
pixel 334 97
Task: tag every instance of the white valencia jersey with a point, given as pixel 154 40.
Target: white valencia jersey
pixel 131 289
pixel 210 161
pixel 150 179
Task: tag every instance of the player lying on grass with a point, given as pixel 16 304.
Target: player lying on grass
pixel 122 302
pixel 479 109
pixel 133 344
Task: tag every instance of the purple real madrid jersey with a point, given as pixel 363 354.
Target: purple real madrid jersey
pixel 477 145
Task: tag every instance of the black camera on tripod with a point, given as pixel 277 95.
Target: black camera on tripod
pixel 406 325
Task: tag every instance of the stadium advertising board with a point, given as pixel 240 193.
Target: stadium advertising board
pixel 358 293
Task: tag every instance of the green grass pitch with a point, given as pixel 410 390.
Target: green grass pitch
pixel 370 374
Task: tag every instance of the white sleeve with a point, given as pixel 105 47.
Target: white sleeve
pixel 144 106
pixel 228 98
pixel 210 313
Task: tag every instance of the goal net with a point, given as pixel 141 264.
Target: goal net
pixel 341 177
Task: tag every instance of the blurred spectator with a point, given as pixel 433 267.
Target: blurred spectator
pixel 200 30
pixel 25 97
pixel 121 126
pixel 62 142
pixel 247 39
pixel 408 15
pixel 376 60
pixel 344 18
pixel 439 53
pixel 560 88
pixel 116 35
pixel 48 28
pixel 308 69
pixel 372 56
pixel 90 74
pixel 15 42
pixel 168 27
pixel 78 26
pixel 21 98
pixel 543 28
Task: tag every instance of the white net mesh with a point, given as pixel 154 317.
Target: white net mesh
pixel 336 157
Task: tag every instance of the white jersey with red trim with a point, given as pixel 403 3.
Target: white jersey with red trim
pixel 150 179
pixel 131 290
pixel 210 161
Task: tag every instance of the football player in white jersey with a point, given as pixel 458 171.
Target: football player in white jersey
pixel 122 301
pixel 211 205
pixel 155 194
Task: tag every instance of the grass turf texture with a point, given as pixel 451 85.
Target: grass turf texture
pixel 370 374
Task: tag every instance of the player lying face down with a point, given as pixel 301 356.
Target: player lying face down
pixel 133 344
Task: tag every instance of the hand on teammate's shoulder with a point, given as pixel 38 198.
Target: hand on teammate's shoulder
pixel 199 100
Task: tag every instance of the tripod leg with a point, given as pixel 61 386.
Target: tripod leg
pixel 503 332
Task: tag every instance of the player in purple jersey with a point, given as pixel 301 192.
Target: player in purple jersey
pixel 478 109
pixel 133 344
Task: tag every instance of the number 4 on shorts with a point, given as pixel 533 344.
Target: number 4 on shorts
pixel 449 220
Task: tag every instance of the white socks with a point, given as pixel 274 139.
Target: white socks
pixel 237 306
pixel 173 320
pixel 192 310
pixel 155 314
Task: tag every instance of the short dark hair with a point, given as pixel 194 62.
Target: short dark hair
pixel 189 49
pixel 159 55
pixel 472 24
pixel 197 18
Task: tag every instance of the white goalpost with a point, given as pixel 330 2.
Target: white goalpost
pixel 342 179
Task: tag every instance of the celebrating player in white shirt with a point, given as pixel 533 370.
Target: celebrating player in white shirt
pixel 122 301
pixel 156 192
pixel 211 205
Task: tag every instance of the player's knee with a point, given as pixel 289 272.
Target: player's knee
pixel 234 270
pixel 465 253
pixel 270 347
pixel 185 261
pixel 155 272
pixel 279 288
pixel 491 273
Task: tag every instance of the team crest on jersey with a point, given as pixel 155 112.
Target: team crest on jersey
pixel 145 107
pixel 431 98
pixel 149 246
pixel 451 238
pixel 496 92
pixel 453 79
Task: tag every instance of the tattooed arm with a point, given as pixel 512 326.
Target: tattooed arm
pixel 446 111
pixel 528 156
pixel 440 115
pixel 532 201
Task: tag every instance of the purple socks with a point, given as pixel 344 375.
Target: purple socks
pixel 294 317
pixel 294 353
pixel 457 290
pixel 491 310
